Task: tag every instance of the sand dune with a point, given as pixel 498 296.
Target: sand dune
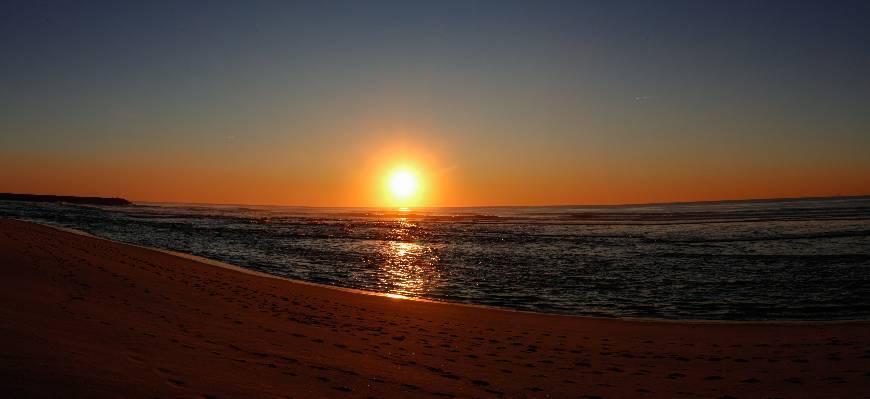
pixel 85 317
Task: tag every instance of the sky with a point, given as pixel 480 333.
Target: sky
pixel 488 103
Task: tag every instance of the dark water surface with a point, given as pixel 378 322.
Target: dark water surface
pixel 746 260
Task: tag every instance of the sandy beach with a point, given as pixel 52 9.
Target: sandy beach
pixel 86 317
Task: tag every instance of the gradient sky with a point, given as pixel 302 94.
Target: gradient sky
pixel 495 103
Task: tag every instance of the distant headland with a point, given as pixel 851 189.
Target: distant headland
pixel 63 198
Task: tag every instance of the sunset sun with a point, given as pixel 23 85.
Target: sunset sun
pixel 403 185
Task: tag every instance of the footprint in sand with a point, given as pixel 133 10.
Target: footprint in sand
pixel 176 382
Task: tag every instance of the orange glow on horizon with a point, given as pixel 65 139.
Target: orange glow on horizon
pixel 446 176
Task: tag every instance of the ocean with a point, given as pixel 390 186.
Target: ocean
pixel 793 259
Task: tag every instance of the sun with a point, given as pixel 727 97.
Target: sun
pixel 403 184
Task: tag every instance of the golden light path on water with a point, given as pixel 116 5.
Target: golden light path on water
pixel 410 268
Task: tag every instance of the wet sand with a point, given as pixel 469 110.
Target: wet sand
pixel 86 317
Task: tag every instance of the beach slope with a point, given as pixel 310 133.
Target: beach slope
pixel 86 317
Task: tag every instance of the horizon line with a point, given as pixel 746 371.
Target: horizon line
pixel 720 201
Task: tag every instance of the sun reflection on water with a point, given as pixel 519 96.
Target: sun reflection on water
pixel 410 267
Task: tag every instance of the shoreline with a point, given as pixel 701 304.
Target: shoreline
pixel 82 316
pixel 242 269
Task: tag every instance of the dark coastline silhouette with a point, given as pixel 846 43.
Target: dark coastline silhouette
pixel 63 198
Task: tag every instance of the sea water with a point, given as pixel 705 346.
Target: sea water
pixel 803 259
